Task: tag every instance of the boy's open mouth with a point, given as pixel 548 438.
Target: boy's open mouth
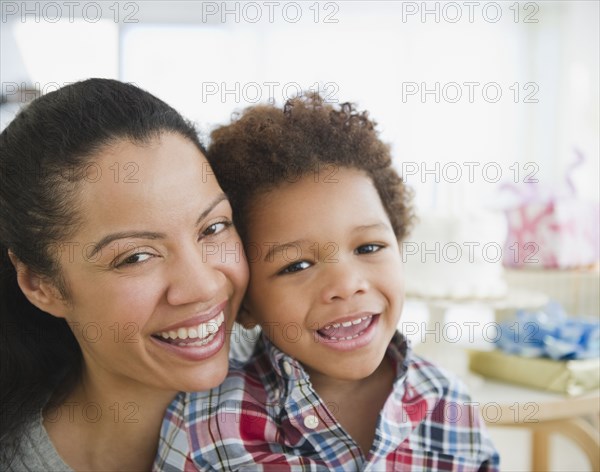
pixel 347 330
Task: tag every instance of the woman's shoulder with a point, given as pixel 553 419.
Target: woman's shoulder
pixel 35 451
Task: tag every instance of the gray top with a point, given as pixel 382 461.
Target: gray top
pixel 36 452
pixel 243 342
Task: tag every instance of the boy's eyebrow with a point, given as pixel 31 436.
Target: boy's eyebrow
pixel 150 234
pixel 280 247
pixel 372 226
pixel 275 248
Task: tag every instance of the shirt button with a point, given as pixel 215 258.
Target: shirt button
pixel 287 368
pixel 311 421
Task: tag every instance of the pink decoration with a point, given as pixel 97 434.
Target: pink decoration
pixel 552 231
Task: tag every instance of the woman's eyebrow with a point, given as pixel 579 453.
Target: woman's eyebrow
pixel 109 238
pixel 218 199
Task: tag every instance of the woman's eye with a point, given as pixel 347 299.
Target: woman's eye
pixel 368 248
pixel 136 258
pixel 216 228
pixel 296 267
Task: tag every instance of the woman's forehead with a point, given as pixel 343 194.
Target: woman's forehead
pixel 131 183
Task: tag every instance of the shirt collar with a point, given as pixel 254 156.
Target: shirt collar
pixel 285 366
pixel 289 369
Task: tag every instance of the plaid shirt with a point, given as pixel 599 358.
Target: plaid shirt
pixel 267 417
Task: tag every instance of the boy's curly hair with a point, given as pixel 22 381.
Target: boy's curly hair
pixel 266 147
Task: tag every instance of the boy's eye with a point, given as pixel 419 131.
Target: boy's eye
pixel 368 248
pixel 136 258
pixel 295 267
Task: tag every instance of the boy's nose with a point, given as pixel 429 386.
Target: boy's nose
pixel 342 281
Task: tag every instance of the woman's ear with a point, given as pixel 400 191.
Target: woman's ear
pixel 38 289
pixel 245 317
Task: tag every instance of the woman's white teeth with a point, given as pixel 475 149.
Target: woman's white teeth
pixel 204 332
pixel 199 343
pixel 345 324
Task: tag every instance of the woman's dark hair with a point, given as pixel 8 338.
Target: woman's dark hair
pixel 44 152
pixel 266 147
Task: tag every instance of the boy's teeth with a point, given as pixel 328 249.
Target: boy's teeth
pixel 345 324
pixel 347 338
pixel 346 330
pixel 204 332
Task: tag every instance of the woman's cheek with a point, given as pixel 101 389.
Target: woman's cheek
pixel 235 265
pixel 135 300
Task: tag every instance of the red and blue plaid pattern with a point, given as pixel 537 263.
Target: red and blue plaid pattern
pixel 267 417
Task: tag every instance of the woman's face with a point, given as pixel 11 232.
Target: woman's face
pixel 154 268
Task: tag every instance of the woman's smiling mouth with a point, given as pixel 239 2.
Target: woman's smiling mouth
pixel 198 335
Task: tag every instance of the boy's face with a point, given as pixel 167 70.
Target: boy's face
pixel 325 273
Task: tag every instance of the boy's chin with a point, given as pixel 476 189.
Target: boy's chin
pixel 354 374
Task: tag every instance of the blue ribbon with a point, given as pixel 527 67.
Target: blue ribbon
pixel 549 332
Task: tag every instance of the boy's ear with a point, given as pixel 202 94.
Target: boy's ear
pixel 38 289
pixel 245 318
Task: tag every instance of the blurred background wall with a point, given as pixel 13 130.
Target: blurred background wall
pixel 501 91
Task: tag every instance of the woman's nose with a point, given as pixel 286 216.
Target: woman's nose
pixel 194 278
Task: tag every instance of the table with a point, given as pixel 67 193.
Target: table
pixel 544 413
pixel 504 404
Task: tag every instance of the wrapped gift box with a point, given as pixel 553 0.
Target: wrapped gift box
pixel 572 377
